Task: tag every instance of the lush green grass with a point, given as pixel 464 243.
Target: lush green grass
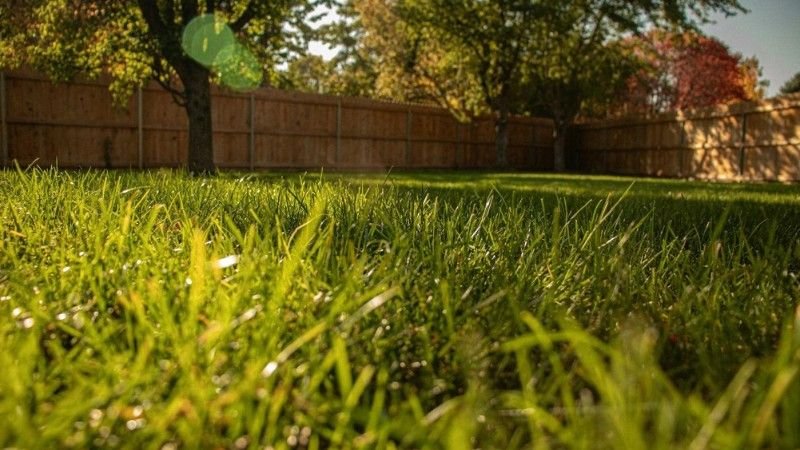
pixel 153 310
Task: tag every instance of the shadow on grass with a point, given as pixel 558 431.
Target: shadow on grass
pixel 568 185
pixel 769 213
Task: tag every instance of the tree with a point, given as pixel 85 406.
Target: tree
pixel 354 67
pixel 308 73
pixel 577 66
pixel 380 56
pixel 499 51
pixel 706 74
pixel 751 73
pixel 133 40
pixel 792 85
pixel 689 70
pixel 486 41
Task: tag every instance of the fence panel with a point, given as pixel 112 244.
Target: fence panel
pixel 755 141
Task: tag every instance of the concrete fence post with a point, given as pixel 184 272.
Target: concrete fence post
pixel 4 157
pixel 251 137
pixel 140 126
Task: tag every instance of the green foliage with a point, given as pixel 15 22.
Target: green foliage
pixel 578 65
pixel 430 310
pixel 308 73
pixel 553 56
pixel 353 70
pixel 792 85
pixel 67 39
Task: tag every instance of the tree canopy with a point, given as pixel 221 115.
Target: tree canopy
pixel 792 85
pixel 688 70
pixel 473 55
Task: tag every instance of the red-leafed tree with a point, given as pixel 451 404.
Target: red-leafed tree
pixel 706 74
pixel 689 70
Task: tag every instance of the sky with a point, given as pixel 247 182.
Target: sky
pixel 770 32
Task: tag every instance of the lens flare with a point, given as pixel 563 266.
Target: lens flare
pixel 210 41
pixel 205 36
pixel 238 68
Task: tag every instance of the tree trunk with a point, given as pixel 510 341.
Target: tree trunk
pixel 501 136
pixel 560 146
pixel 563 118
pixel 198 107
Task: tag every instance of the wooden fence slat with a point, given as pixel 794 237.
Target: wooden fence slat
pixel 338 130
pixel 4 156
pixel 140 126
pixel 407 156
pixel 251 137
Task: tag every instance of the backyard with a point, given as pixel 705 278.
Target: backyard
pixel 401 310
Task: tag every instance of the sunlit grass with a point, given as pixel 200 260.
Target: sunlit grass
pixel 429 310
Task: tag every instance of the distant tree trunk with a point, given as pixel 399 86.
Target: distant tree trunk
pixel 501 134
pixel 197 88
pixel 563 117
pixel 560 146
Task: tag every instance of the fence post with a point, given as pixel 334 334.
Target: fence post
pixel 140 126
pixel 251 138
pixel 4 137
pixel 407 155
pixel 338 131
pixel 777 148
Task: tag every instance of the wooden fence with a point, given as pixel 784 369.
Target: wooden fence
pixel 740 142
pixel 75 125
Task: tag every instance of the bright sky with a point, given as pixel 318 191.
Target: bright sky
pixel 770 32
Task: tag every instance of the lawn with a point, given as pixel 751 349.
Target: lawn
pixel 408 310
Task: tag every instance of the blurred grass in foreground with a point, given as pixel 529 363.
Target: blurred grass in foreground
pixel 428 310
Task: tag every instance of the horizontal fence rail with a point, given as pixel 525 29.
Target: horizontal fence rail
pixel 75 125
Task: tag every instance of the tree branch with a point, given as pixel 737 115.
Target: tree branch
pixel 162 32
pixel 164 79
pixel 178 96
pixel 188 10
pixel 248 15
